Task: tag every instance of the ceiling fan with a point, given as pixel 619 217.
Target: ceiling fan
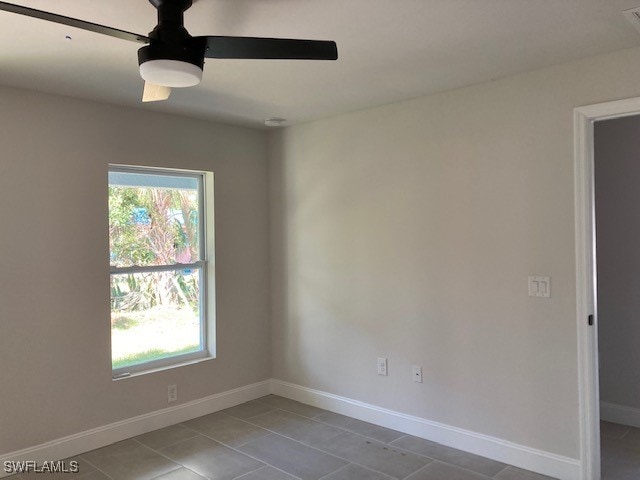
pixel 173 59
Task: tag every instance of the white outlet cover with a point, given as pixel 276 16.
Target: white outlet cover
pixel 172 393
pixel 417 374
pixel 382 366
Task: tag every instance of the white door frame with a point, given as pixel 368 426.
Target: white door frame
pixel 589 401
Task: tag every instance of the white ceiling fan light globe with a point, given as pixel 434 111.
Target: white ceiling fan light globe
pixel 171 73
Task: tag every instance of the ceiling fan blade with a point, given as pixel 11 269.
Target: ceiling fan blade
pixel 269 48
pixel 73 22
pixel 155 93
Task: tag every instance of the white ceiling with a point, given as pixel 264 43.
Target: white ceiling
pixel 390 50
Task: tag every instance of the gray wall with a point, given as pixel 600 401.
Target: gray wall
pixel 617 173
pixel 55 371
pixel 408 231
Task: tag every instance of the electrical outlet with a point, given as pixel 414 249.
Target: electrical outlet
pixel 172 393
pixel 417 374
pixel 382 366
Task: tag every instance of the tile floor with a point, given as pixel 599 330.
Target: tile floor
pixel 274 438
pixel 620 450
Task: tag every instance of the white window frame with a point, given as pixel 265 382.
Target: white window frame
pixel 204 265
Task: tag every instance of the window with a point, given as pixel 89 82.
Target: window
pixel 158 258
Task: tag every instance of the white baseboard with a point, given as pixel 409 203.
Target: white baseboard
pixel 539 461
pixel 620 414
pixel 99 437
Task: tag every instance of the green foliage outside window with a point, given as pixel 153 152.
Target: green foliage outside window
pixel 153 226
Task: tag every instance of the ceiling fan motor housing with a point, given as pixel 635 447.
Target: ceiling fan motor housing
pixel 173 58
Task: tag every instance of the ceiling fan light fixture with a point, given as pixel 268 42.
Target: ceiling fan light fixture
pixel 171 73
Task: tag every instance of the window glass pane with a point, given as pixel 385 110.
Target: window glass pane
pixel 153 219
pixel 154 315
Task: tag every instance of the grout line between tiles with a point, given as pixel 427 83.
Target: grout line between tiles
pixel 506 467
pixel 453 464
pixel 290 413
pixel 181 466
pixel 234 447
pixel 79 477
pixel 323 411
pixel 252 416
pixel 255 458
pixel 366 468
pixel 294 439
pixel 625 433
pixel 319 422
pixel 419 470
pixel 397 439
pixel 248 473
pixel 482 475
pixel 267 465
pixel 170 459
pixel 335 471
pixel 178 442
pixel 170 444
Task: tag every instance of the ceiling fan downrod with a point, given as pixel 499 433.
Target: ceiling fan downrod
pixel 170 28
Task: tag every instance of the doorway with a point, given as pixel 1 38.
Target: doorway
pixel 586 277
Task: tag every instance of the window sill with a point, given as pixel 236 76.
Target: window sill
pixel 162 369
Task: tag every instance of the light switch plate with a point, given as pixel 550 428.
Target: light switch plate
pixel 540 287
